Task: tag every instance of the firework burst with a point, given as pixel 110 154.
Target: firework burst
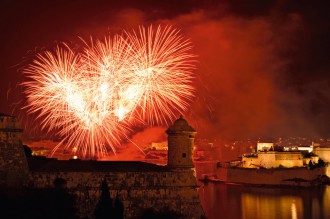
pixel 92 98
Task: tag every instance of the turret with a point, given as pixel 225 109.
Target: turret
pixel 180 144
pixel 13 163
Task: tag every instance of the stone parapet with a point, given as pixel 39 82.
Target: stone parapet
pixel 170 191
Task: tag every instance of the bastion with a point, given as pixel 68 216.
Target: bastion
pixel 138 185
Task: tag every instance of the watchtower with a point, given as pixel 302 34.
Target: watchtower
pixel 180 144
pixel 13 163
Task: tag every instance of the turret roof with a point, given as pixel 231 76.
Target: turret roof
pixel 6 115
pixel 180 125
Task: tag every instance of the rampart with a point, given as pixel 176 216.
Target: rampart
pixel 276 176
pixel 138 185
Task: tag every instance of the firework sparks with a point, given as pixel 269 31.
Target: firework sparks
pixel 92 98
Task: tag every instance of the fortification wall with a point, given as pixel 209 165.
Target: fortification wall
pixel 323 153
pixel 269 176
pixel 173 191
pixel 13 165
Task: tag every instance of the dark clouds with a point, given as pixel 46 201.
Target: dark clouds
pixel 263 65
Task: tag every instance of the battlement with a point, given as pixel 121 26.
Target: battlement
pixel 138 185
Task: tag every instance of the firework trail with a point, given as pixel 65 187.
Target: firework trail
pixel 162 73
pixel 92 98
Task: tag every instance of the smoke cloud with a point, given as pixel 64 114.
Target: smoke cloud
pixel 242 76
pixel 262 68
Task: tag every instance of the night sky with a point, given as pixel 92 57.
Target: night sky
pixel 263 66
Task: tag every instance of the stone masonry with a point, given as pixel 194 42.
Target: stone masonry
pixel 138 185
pixel 13 163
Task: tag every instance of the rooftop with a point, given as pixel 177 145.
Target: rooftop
pixel 5 115
pixel 180 125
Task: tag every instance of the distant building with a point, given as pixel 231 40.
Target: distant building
pixel 40 151
pixel 159 146
pixel 261 146
pixel 270 156
pixel 273 159
pixel 322 152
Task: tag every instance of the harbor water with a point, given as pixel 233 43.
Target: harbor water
pixel 256 202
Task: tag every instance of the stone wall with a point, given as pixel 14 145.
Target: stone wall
pixel 138 185
pixel 13 165
pixel 323 153
pixel 10 131
pixel 327 170
pixel 274 159
pixel 172 190
pixel 278 176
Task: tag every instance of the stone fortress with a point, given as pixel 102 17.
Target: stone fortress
pixel 138 185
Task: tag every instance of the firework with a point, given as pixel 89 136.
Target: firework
pixel 93 98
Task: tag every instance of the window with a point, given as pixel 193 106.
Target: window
pixel 184 155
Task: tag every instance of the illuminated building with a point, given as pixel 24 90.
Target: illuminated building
pixel 273 159
pixel 270 156
pixel 323 152
pixel 273 165
pixel 159 146
pixel 265 146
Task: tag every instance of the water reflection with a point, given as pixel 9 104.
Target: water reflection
pixel 234 201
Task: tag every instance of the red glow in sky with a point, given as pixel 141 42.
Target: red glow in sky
pixel 92 99
pixel 263 67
